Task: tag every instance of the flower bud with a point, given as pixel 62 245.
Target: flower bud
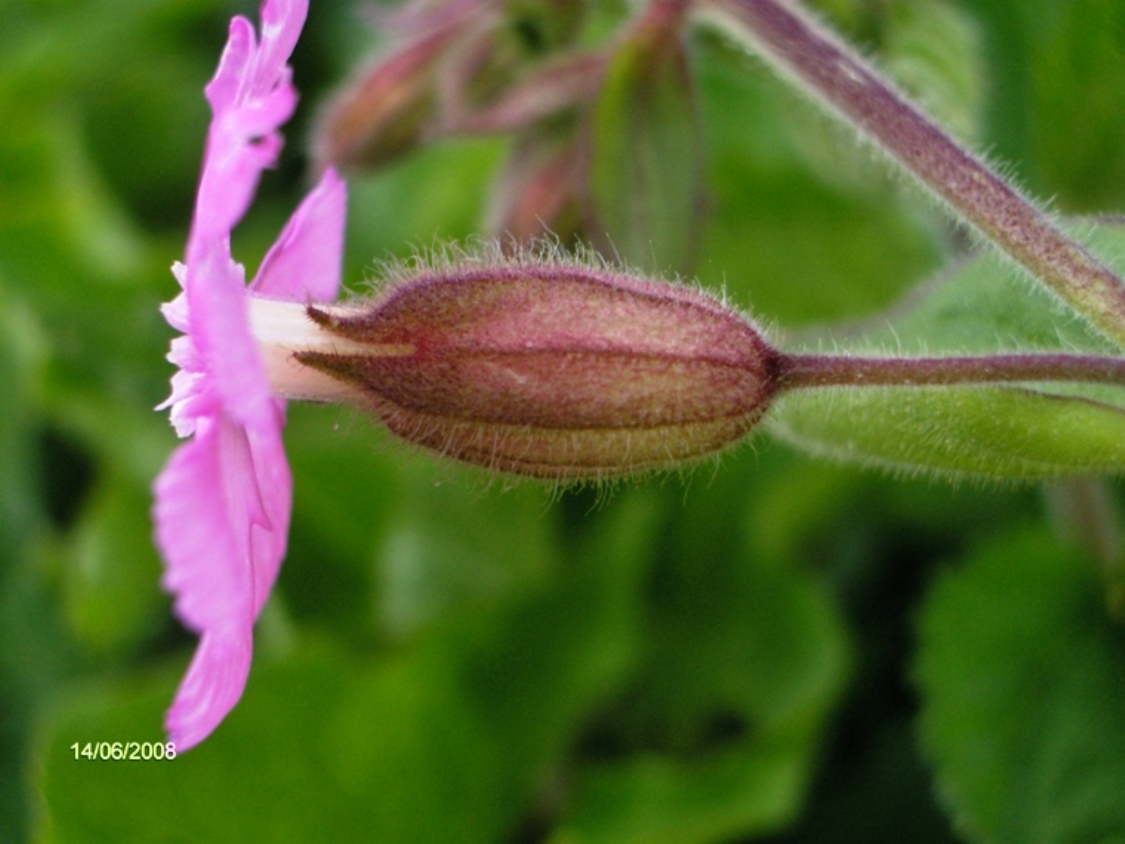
pixel 383 112
pixel 551 370
pixel 453 73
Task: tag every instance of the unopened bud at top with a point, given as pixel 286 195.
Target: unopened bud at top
pixel 453 73
pixel 383 112
pixel 548 369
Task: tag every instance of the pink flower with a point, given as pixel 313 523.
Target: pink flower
pixel 223 500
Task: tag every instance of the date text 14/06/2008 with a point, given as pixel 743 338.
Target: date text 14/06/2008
pixel 124 751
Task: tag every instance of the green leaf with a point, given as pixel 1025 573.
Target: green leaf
pixel 1019 431
pixel 110 593
pixel 717 733
pixel 1075 64
pixel 1020 669
pixel 660 800
pixel 998 432
pixel 645 168
pixel 21 352
pixel 30 659
pixel 545 661
pixel 320 746
pixel 432 196
pixel 448 553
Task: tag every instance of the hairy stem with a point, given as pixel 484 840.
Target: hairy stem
pixel 803 50
pixel 795 371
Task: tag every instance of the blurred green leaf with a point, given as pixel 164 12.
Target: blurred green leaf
pixel 345 486
pixel 27 659
pixel 1020 669
pixel 1054 103
pixel 435 196
pixel 1017 432
pixel 1076 64
pixel 59 226
pixel 658 801
pixel 21 352
pixel 278 770
pixel 455 553
pixel 538 671
pixel 110 579
pixel 718 731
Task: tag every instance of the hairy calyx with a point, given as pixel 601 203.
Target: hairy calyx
pixel 551 370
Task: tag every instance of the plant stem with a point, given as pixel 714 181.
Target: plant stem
pixel 803 50
pixel 796 371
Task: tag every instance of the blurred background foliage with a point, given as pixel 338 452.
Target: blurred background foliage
pixel 771 648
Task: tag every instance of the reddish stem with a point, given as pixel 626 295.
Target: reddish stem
pixel 795 371
pixel 803 49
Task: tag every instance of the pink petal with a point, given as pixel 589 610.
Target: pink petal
pixel 305 261
pixel 282 22
pixel 205 499
pixel 274 481
pixel 224 498
pixel 176 311
pixel 213 685
pixel 188 402
pixel 220 329
pixel 225 86
pixel 227 186
pixel 251 96
pixel 222 520
pixel 250 70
